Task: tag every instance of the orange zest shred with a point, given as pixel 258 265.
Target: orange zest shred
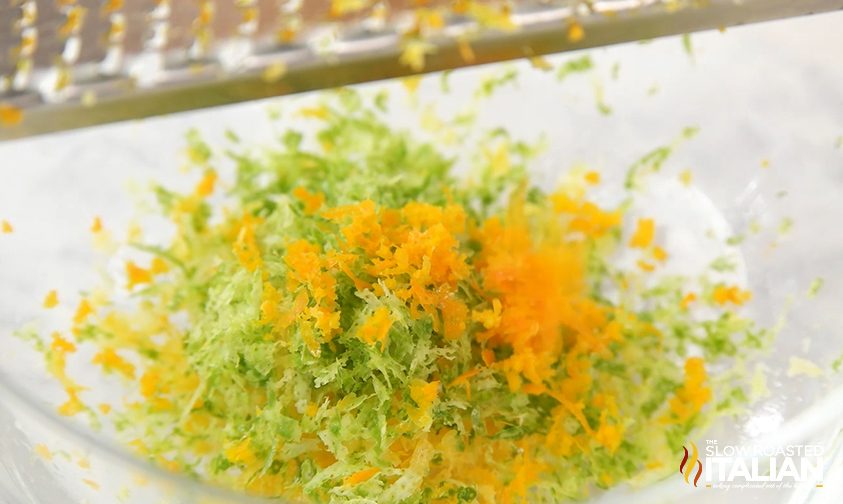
pixel 312 201
pixel 83 311
pixel 360 476
pixel 541 288
pixel 643 235
pixel 149 383
pixel 205 187
pixel 575 32
pixel 424 394
pixel 241 453
pixel 592 177
pixel 609 436
pixel 56 363
pixel 464 380
pixel 91 483
pixel 584 216
pixel 111 361
pixel 687 299
pixel 51 300
pixel 43 451
pixel 733 294
pixel 692 395
pixel 271 310
pixel 158 266
pixel 10 115
pixel 6 227
pixel 309 274
pixel 376 327
pixel 136 275
pixel 645 266
pixel 96 226
pixel 490 317
pixel 488 356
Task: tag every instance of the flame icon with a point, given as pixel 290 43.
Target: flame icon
pixel 689 462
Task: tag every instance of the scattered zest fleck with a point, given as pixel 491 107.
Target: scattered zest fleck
pixel 42 451
pixel 10 115
pixel 687 299
pixel 733 294
pixel 137 275
pixel 646 266
pixel 644 234
pixel 91 483
pixel 205 187
pixel 575 32
pixel 592 177
pixel 51 300
pixel 659 254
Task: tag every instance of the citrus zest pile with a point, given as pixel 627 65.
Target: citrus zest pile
pixel 355 322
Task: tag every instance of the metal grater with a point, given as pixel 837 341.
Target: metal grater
pixel 67 64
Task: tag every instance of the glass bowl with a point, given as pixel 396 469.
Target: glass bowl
pixel 767 164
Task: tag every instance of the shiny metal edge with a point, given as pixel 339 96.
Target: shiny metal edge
pixel 540 32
